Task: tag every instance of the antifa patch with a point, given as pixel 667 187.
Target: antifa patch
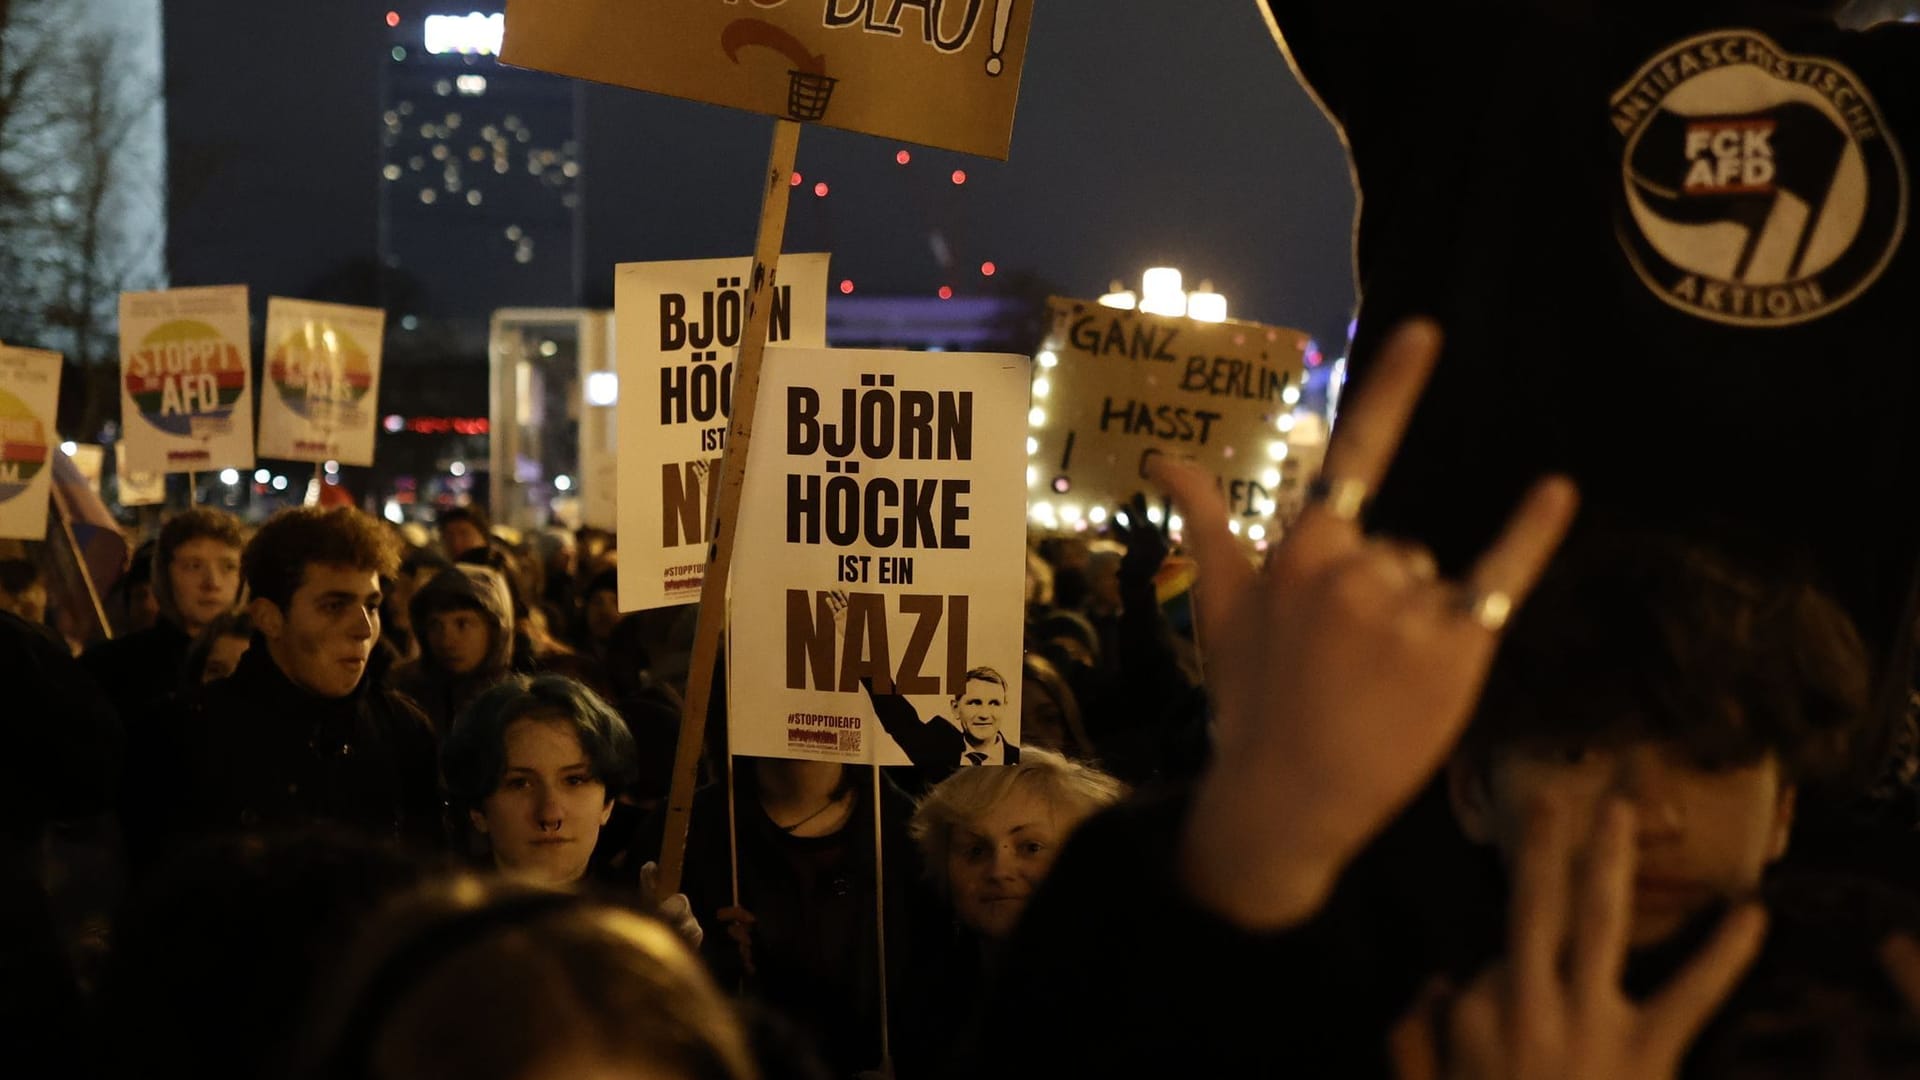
pixel 1762 189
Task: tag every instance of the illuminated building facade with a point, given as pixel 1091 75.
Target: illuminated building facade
pixel 480 174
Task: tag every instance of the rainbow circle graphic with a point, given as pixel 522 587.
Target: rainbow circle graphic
pixel 185 371
pixel 23 446
pixel 320 372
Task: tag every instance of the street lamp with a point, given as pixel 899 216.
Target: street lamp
pixel 1162 292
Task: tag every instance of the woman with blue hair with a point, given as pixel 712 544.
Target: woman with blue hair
pixel 535 763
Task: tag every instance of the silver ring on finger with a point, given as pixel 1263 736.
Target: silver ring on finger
pixel 1345 499
pixel 1491 609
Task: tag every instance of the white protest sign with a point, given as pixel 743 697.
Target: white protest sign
pixel 90 458
pixel 185 369
pixel 29 394
pixel 322 380
pixel 137 488
pixel 882 544
pixel 678 326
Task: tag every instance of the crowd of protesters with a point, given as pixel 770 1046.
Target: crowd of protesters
pixel 344 841
pixel 323 720
pixel 1568 793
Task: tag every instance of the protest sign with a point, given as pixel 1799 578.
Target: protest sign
pixel 323 381
pixel 29 394
pixel 677 327
pixel 90 459
pixel 942 73
pixel 185 365
pixel 1114 388
pixel 137 488
pixel 877 601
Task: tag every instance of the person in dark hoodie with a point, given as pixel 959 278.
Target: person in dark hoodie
pixel 196 579
pixel 1715 193
pixel 464 620
pixel 305 731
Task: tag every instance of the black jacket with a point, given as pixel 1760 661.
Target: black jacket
pixel 1674 251
pixel 257 752
pixel 814 946
pixel 139 670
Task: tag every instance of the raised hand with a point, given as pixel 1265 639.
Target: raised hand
pixel 1343 671
pixel 674 909
pixel 837 601
pixel 1148 545
pixel 1553 1009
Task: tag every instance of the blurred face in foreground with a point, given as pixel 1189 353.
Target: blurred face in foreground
pixel 1707 829
pixel 997 861
pixel 544 819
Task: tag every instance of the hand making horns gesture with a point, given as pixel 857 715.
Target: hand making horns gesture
pixel 1342 672
pixel 1553 1008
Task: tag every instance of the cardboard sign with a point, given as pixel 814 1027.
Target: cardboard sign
pixel 185 368
pixel 877 587
pixel 322 381
pixel 29 394
pixel 137 488
pixel 677 328
pixel 90 459
pixel 943 73
pixel 1116 387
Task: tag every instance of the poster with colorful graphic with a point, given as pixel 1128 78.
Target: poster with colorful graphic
pixel 942 73
pixel 1115 388
pixel 677 329
pixel 322 380
pixel 136 488
pixel 880 566
pixel 185 365
pixel 29 394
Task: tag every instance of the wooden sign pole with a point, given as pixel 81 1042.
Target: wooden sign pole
pixel 724 524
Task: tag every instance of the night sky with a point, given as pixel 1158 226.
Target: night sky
pixel 1148 133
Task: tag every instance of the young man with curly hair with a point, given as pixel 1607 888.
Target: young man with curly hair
pixel 305 729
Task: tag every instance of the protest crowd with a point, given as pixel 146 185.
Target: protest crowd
pixel 1496 763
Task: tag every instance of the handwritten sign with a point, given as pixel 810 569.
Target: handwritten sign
pixel 29 394
pixel 323 381
pixel 185 370
pixel 876 612
pixel 677 327
pixel 1114 388
pixel 943 73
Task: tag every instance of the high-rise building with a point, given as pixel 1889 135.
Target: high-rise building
pixel 480 171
